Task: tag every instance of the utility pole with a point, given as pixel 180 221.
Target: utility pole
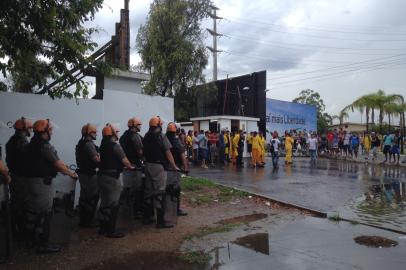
pixel 214 33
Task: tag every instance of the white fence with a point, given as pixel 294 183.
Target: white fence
pixel 70 115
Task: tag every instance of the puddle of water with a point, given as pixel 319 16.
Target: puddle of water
pixel 375 241
pixel 258 242
pixel 382 204
pixel 253 247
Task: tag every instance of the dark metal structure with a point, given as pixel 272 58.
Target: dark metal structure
pixel 116 52
pixel 239 96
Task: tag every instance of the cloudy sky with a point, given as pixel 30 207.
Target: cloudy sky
pixel 340 48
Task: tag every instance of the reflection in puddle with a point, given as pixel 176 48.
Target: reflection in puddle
pixel 383 204
pixel 251 246
pixel 258 242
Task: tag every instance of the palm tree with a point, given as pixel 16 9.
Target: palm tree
pixel 341 116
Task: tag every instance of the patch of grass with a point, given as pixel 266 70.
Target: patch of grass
pixel 201 191
pixel 204 231
pixel 354 222
pixel 227 193
pixel 336 217
pixel 194 184
pixel 195 257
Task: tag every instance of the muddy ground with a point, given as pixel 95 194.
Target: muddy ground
pixel 214 212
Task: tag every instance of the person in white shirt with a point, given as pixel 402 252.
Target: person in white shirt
pixel 275 142
pixel 312 143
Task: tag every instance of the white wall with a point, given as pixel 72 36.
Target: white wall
pixel 122 84
pixel 252 126
pixel 225 124
pixel 204 125
pixel 70 115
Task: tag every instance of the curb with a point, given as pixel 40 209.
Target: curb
pixel 373 226
pixel 314 212
pixel 287 204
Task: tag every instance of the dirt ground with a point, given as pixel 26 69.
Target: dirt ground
pixel 211 209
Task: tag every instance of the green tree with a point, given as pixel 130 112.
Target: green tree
pixel 45 39
pixel 171 45
pixel 311 97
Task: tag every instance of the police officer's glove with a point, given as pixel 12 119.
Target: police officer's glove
pixel 74 176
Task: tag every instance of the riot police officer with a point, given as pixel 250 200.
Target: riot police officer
pixel 131 142
pixel 173 183
pixel 5 230
pixel 15 152
pixel 87 160
pixel 158 159
pixel 112 162
pixel 42 165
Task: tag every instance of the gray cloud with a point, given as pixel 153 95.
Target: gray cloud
pixel 300 43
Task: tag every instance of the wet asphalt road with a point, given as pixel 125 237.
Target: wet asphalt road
pixel 328 186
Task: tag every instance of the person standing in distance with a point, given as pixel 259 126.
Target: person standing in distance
pixel 158 159
pixel 112 162
pixel 131 142
pixel 15 152
pixel 42 165
pixel 87 160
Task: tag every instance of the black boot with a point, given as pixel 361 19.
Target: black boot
pixel 160 213
pixel 44 246
pixel 147 212
pixel 137 207
pixel 181 213
pixel 111 229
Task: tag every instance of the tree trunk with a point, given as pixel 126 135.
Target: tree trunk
pixel 367 118
pixel 373 116
pixel 403 131
pixel 380 119
pixel 389 121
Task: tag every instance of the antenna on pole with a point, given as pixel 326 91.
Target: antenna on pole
pixel 214 33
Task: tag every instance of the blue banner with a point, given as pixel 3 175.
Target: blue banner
pixel 284 115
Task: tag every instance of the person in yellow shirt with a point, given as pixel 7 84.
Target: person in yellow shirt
pixel 189 141
pixel 256 150
pixel 249 143
pixel 366 142
pixel 262 144
pixel 238 147
pixel 227 145
pixel 288 148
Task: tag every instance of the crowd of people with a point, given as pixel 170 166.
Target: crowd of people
pixel 150 166
pixel 209 147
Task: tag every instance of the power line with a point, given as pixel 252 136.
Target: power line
pixel 256 22
pixel 286 47
pixel 335 73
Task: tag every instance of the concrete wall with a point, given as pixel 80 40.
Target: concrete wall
pixel 122 84
pixel 204 125
pixel 69 116
pixel 252 126
pixel 225 124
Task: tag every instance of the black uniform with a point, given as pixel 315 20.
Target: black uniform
pixel 131 142
pixel 5 222
pixel 111 166
pixel 174 177
pixel 15 152
pixel 155 145
pixel 86 150
pixel 40 171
